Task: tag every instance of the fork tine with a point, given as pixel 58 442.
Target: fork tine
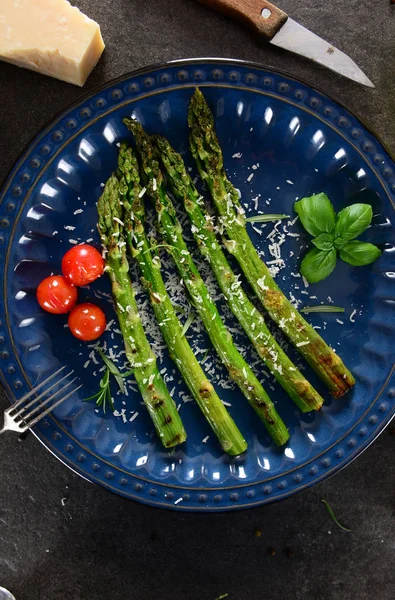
pixel 25 417
pixel 35 389
pixel 38 398
pixel 51 408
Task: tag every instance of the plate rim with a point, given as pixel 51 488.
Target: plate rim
pixel 133 74
pixel 188 61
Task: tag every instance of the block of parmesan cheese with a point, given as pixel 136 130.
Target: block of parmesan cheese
pixel 51 37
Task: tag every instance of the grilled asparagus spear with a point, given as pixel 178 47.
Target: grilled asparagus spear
pixel 157 399
pixel 208 155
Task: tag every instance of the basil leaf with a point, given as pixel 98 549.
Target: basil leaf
pixel 359 254
pixel 353 220
pixel 339 242
pixel 324 241
pixel 318 264
pixel 316 214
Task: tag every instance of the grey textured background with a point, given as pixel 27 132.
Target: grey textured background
pixel 99 546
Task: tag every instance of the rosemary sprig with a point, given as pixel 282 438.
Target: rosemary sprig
pixel 103 397
pixel 266 218
pixel 322 308
pixel 333 516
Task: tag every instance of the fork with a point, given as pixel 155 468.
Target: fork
pixel 20 417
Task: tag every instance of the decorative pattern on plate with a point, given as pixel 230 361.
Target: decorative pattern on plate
pixel 293 140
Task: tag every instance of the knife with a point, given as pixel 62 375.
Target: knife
pixel 279 29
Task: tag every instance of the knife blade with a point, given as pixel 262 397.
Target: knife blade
pixel 279 29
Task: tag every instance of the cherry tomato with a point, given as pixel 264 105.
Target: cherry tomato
pixel 56 295
pixel 87 322
pixel 82 264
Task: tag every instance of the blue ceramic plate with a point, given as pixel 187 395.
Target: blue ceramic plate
pixel 282 140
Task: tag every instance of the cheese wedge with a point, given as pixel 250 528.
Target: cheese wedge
pixel 51 37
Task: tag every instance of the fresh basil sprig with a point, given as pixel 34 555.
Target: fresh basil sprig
pixel 334 235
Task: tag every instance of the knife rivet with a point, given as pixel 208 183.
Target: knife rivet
pixel 266 13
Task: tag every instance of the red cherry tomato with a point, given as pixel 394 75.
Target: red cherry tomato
pixel 82 264
pixel 87 322
pixel 56 295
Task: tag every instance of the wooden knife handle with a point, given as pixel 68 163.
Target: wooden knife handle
pixel 260 15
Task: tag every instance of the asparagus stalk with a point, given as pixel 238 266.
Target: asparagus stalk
pixel 140 248
pixel 208 155
pixel 252 321
pixel 157 399
pixel 222 341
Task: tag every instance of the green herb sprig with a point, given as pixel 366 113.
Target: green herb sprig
pixel 322 308
pixel 103 397
pixel 333 516
pixel 334 236
pixel 266 218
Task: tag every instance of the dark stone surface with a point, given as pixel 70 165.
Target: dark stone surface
pixel 63 538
